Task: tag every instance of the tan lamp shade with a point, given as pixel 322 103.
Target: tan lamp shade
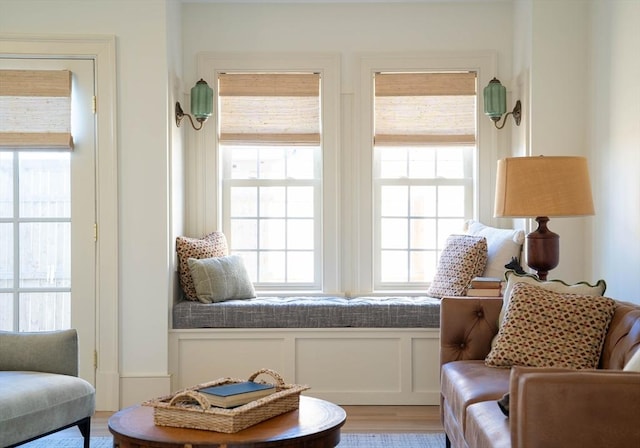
pixel 543 186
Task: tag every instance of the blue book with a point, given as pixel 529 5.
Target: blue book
pixel 236 394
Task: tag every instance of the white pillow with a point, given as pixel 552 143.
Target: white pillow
pixel 221 278
pixel 633 365
pixel 502 246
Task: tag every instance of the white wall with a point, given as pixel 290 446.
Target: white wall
pixel 585 100
pixel 349 30
pixel 558 103
pixel 140 28
pixel 614 140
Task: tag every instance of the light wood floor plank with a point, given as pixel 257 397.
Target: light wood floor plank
pixel 363 419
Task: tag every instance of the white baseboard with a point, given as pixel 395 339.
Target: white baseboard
pixel 107 391
pixel 136 389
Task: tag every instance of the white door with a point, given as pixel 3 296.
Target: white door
pixel 47 218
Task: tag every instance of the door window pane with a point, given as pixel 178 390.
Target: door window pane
pixel 35 241
pixel 6 255
pixel 45 259
pixel 6 316
pixel 45 185
pixel 6 185
pixel 45 311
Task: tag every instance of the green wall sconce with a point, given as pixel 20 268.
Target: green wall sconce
pixel 495 104
pixel 201 105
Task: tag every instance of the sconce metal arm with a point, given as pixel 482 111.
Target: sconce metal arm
pixel 517 116
pixel 180 115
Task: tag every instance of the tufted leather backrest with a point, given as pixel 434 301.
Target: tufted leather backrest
pixel 623 336
pixel 467 326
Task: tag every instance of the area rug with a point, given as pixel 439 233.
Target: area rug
pixel 348 440
pixel 352 440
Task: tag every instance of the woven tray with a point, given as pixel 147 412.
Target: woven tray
pixel 190 409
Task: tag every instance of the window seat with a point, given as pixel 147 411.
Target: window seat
pixel 358 351
pixel 310 312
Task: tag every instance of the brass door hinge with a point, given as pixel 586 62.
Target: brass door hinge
pixel 95 232
pixel 95 359
pixel 94 104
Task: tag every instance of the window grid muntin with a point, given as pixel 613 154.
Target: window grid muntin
pixel 17 290
pixel 229 183
pixel 466 182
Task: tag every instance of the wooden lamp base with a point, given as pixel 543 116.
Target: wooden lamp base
pixel 542 248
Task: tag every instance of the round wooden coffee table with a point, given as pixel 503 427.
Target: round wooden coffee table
pixel 316 424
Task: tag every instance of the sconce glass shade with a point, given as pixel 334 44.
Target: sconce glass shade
pixel 201 101
pixel 495 99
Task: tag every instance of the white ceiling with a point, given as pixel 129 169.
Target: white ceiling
pixel 343 1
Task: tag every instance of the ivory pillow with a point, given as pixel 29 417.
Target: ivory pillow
pixel 542 328
pixel 463 258
pixel 502 246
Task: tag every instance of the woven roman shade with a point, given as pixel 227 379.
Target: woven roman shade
pixel 35 110
pixel 425 109
pixel 269 108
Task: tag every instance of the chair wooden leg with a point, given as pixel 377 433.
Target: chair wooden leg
pixel 85 429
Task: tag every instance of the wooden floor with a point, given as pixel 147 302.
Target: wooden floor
pixel 364 419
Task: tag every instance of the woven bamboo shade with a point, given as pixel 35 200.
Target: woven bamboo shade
pixel 35 110
pixel 270 108
pixel 425 109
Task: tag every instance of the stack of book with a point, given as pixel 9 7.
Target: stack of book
pixel 236 394
pixel 485 287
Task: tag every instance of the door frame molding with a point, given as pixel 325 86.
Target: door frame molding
pixel 102 49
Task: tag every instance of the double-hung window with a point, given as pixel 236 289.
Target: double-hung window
pixel 423 171
pixel 271 172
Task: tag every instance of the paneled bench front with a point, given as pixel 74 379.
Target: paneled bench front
pixel 364 350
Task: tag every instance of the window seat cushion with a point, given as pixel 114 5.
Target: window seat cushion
pixel 310 312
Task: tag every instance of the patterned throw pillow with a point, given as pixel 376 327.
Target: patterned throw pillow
pixel 547 329
pixel 463 258
pixel 212 245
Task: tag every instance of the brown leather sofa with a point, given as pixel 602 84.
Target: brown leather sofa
pixel 548 407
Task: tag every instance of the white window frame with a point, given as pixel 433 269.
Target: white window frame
pixel 362 248
pixel 204 205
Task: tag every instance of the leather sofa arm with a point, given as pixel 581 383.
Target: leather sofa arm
pixel 467 326
pixel 589 409
pixel 47 351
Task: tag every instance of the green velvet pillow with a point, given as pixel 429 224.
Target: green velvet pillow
pixel 220 278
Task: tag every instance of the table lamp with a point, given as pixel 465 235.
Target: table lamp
pixel 541 187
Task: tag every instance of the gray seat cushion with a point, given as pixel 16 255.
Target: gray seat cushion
pixel 310 312
pixel 33 403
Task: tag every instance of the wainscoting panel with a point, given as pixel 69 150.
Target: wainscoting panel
pixel 349 366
